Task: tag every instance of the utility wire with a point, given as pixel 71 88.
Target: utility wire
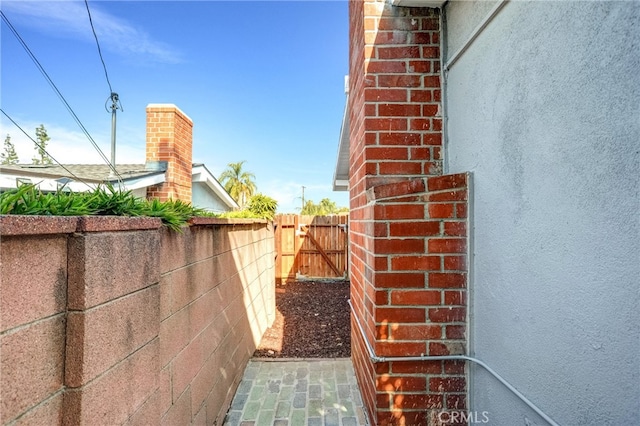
pixel 98 44
pixel 55 89
pixel 44 150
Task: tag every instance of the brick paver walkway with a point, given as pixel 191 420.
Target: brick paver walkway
pixel 297 393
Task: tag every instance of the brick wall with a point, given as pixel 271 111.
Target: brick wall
pixel 113 321
pixel 408 223
pixel 170 139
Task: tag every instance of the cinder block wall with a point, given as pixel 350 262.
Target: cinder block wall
pixel 408 223
pixel 211 274
pixel 114 321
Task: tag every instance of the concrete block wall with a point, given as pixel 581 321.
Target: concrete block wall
pixel 208 277
pixel 115 321
pixel 408 222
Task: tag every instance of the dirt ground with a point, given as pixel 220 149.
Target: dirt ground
pixel 312 321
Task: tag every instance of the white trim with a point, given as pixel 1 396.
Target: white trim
pixel 201 174
pixel 418 3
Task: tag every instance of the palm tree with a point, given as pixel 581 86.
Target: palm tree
pixel 238 183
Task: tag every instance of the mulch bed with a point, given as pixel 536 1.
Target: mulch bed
pixel 312 321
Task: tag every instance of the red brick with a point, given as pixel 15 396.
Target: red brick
pixel 399 80
pixel 398 138
pixel 402 315
pixel 455 263
pixel 430 110
pixel 415 297
pixel 412 367
pixel 421 96
pixel 457 195
pixel 398 110
pixel 390 384
pixel 398 23
pixel 395 189
pixel 386 153
pixel 454 298
pixel 430 52
pixel 418 401
pixel 449 314
pixel 420 124
pixel 382 298
pixel 400 168
pixel 415 263
pixel 370 110
pixel 401 417
pixel 415 332
pixel 400 348
pixel 447 280
pixel 397 245
pixel 398 52
pixel 421 37
pixel 420 153
pixel 408 229
pixel 447 245
pixel 432 139
pixel 385 123
pixel 455 331
pixel 385 95
pixel 461 211
pixel 431 81
pixel 399 211
pixel 456 401
pixel 430 24
pixel 399 280
pixel 447 384
pixel 387 67
pixel 454 367
pixel 439 183
pixel 440 211
pixel 422 67
pixel 457 229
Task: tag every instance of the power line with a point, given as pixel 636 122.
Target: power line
pixel 98 44
pixel 55 89
pixel 42 148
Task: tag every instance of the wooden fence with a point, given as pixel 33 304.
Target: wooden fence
pixel 311 247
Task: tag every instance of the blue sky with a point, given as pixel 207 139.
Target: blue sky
pixel 262 81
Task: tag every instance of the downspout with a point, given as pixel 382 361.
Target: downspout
pixel 375 359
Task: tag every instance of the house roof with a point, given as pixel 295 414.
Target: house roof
pixel 90 173
pixel 79 176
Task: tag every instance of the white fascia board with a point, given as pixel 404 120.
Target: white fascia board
pixel 341 172
pixel 10 181
pixel 143 182
pixel 201 174
pixel 418 3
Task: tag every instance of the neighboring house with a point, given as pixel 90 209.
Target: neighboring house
pixel 495 210
pixel 168 172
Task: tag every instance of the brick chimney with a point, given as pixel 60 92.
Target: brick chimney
pixel 170 142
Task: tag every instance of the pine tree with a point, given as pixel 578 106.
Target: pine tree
pixel 43 138
pixel 9 155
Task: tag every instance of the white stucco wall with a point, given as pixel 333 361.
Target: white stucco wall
pixel 544 110
pixel 204 198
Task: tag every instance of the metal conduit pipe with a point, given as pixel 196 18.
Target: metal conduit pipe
pixel 475 33
pixel 375 358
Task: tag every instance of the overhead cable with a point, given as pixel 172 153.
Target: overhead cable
pixel 98 44
pixel 41 147
pixel 55 89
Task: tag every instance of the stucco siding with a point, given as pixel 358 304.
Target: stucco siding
pixel 543 109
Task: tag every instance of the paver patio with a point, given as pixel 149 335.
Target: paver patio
pixel 321 392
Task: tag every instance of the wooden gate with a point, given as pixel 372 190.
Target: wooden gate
pixel 311 247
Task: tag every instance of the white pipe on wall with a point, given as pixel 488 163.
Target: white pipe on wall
pixel 375 358
pixel 475 33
